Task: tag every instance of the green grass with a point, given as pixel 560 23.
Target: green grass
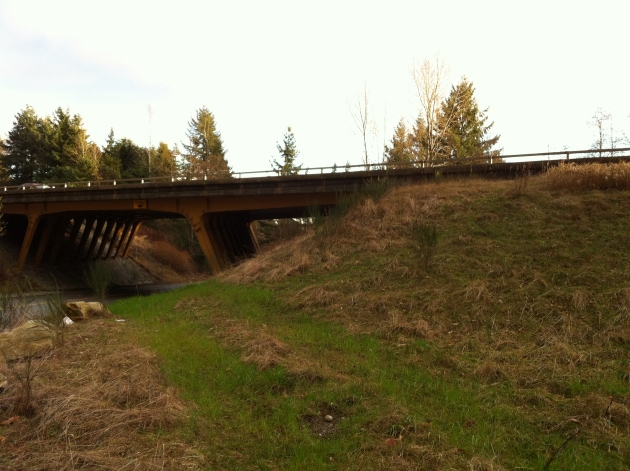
pixel 524 339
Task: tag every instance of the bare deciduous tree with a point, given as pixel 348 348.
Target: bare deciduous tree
pixel 429 78
pixel 362 116
pixel 605 133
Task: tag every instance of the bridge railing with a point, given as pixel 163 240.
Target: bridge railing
pixel 599 154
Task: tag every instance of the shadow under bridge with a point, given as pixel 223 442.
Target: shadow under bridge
pixel 60 225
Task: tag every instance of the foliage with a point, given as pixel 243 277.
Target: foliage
pixel 288 153
pixel 401 150
pixel 132 159
pixel 72 156
pixel 111 164
pixel 163 161
pixel 446 128
pixel 25 156
pixel 204 153
pixel 464 129
pixel 50 149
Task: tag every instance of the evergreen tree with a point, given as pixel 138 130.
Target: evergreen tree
pixel 204 154
pixel 26 150
pixel 72 156
pixel 464 132
pixel 110 161
pixel 401 149
pixel 163 161
pixel 288 152
pixel 134 160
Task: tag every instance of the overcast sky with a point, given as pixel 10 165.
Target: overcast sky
pixel 543 68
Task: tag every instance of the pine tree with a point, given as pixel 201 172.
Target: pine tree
pixel 401 149
pixel 163 162
pixel 109 168
pixel 26 150
pixel 204 154
pixel 73 157
pixel 464 132
pixel 288 152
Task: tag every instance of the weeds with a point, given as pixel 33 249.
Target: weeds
pixel 425 238
pixel 23 371
pixel 14 306
pixel 99 278
pixel 595 176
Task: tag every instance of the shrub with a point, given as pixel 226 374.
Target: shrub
pixel 425 237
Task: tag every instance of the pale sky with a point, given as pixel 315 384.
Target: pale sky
pixel 543 68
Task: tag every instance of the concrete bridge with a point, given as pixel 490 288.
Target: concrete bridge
pixel 99 221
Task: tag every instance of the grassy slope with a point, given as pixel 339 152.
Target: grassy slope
pixel 509 352
pixel 513 341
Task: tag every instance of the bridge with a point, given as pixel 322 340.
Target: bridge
pixel 99 220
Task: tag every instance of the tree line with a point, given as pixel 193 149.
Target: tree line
pixel 57 148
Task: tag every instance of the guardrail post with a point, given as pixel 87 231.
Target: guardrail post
pixel 568 154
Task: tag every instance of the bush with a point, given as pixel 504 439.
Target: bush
pixel 425 237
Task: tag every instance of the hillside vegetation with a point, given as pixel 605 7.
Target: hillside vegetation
pixel 470 324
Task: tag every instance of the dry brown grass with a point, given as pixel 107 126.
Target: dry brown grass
pixel 258 344
pixel 595 176
pixel 168 254
pixel 98 404
pixel 547 321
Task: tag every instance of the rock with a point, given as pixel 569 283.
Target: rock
pixel 328 418
pixel 30 338
pixel 81 310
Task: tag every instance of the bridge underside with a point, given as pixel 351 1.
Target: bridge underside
pixel 67 232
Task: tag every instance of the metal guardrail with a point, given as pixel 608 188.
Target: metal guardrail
pixel 599 154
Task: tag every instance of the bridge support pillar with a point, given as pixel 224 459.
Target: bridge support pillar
pixel 33 222
pixel 204 236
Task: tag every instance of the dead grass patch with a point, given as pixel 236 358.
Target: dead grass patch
pixel 490 372
pixel 400 324
pixel 168 254
pixel 314 297
pixel 256 342
pixel 99 403
pixel 275 262
pixel 594 176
